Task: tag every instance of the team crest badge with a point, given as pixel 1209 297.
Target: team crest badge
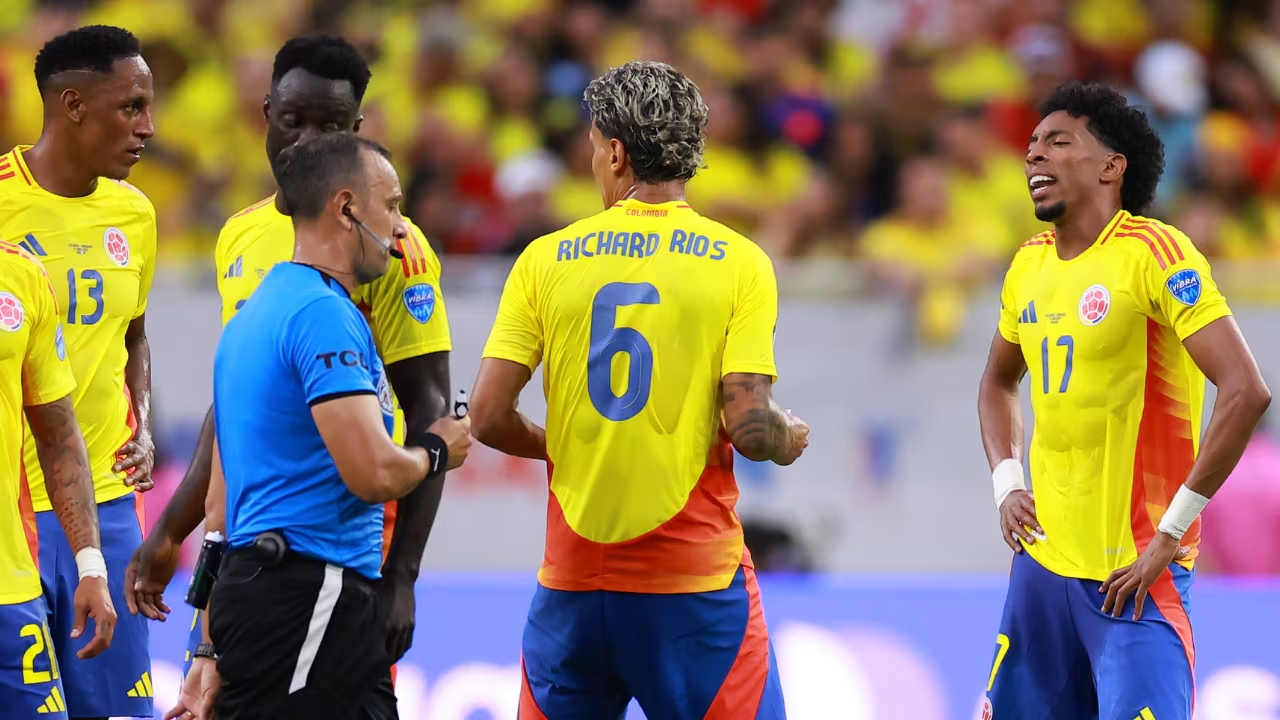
pixel 11 313
pixel 1094 304
pixel 384 396
pixel 420 301
pixel 987 713
pixel 60 343
pixel 1185 286
pixel 116 245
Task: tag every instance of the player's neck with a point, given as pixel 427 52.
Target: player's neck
pixel 656 193
pixel 1080 231
pixel 57 171
pixel 316 248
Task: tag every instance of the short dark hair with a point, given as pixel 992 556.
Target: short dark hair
pixel 1119 127
pixel 326 56
pixel 312 171
pixel 93 48
pixel 656 113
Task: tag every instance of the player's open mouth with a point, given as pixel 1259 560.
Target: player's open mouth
pixel 136 153
pixel 1040 184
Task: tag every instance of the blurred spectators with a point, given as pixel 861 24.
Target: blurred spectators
pixel 1241 527
pixel 820 113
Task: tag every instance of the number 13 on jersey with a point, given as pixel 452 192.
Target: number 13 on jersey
pixel 607 340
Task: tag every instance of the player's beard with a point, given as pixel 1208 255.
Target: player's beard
pixel 1051 212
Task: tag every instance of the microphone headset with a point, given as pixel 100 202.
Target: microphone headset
pixel 387 247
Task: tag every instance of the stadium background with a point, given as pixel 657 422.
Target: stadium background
pixel 873 147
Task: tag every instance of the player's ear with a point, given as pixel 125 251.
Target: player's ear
pixel 356 128
pixel 266 107
pixel 73 105
pixel 1113 167
pixel 617 156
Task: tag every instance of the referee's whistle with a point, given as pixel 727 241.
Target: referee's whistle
pixel 460 405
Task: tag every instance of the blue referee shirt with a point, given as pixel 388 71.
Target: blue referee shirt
pixel 298 341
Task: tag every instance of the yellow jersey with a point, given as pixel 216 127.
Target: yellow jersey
pixel 1117 400
pixel 33 371
pixel 404 307
pixel 100 251
pixel 636 314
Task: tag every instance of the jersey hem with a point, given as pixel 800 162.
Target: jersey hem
pixel 416 351
pixel 751 369
pixel 645 586
pixel 44 398
pixel 19 598
pixel 100 496
pixel 500 354
pixel 1008 336
pixel 1206 317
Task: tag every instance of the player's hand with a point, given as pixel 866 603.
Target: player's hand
pixel 199 688
pixel 149 572
pixel 93 600
pixel 457 435
pixel 1137 579
pixel 797 440
pixel 137 457
pixel 399 609
pixel 1018 520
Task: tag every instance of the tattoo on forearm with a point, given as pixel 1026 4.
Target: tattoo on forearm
pixel 754 422
pixel 65 463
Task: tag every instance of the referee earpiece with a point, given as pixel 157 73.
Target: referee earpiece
pixel 387 247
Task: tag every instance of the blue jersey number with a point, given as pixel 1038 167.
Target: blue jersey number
pixel 93 282
pixel 1067 342
pixel 608 340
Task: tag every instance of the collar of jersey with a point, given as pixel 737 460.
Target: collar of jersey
pixel 669 205
pixel 31 179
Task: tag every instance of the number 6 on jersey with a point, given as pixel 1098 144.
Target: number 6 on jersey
pixel 607 340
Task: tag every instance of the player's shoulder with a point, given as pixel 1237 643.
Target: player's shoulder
pixel 127 195
pixel 13 176
pixel 1152 241
pixel 255 215
pixel 1033 250
pixel 733 242
pixel 19 268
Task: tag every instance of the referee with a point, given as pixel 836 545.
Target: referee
pixel 303 416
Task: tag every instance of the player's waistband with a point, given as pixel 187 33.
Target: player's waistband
pixel 270 549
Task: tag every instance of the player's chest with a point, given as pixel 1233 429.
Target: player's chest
pixel 249 265
pixel 96 271
pixel 1087 313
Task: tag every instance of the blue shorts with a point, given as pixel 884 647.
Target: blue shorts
pixel 1058 657
pixel 29 681
pixel 116 683
pixel 698 655
pixel 194 638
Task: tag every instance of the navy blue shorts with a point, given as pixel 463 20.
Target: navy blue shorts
pixel 1058 657
pixel 30 685
pixel 116 683
pixel 696 655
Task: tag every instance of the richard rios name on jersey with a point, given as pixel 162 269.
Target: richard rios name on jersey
pixel 623 243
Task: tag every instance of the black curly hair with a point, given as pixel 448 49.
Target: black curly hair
pixel 94 48
pixel 326 56
pixel 1119 127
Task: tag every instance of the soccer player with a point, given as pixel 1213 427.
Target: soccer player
pixel 1117 320
pixel 656 327
pixel 317 85
pixel 34 372
pixel 64 200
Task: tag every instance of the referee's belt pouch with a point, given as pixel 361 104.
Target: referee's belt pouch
pixel 270 548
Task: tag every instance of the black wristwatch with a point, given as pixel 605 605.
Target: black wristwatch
pixel 205 650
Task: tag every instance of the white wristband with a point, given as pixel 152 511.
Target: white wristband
pixel 1006 478
pixel 1186 506
pixel 90 563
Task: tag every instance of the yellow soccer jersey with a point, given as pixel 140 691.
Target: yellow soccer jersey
pixel 100 252
pixel 636 314
pixel 33 371
pixel 405 308
pixel 1117 399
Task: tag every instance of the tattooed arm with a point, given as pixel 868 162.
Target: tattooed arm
pixel 65 462
pixel 758 428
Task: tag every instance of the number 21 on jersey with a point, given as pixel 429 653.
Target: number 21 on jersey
pixel 607 340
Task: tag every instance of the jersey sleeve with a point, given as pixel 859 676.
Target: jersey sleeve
pixel 46 374
pixel 222 261
pixel 1182 294
pixel 148 259
pixel 517 331
pixel 748 347
pixel 1009 307
pixel 327 342
pixel 406 305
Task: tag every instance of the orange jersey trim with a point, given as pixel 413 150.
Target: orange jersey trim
pixel 256 206
pixel 688 553
pixel 1044 238
pixel 26 509
pixel 1147 237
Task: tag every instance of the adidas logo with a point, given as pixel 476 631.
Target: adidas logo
pixel 31 245
pixel 1028 314
pixel 53 703
pixel 142 688
pixel 236 270
pixel 1146 714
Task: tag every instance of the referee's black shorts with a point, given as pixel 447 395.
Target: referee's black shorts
pixel 298 639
